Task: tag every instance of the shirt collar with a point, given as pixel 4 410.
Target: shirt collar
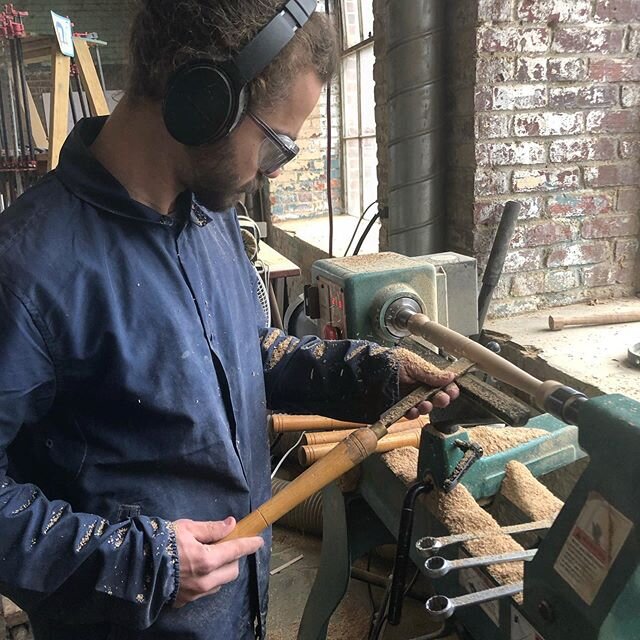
pixel 86 178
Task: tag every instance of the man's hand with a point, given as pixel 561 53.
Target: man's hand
pixel 205 566
pixel 413 371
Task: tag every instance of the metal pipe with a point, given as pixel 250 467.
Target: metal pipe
pixel 416 121
pixel 493 272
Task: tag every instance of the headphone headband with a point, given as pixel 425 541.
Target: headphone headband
pixel 265 47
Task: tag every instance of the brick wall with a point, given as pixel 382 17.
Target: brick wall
pixel 557 121
pixel 548 115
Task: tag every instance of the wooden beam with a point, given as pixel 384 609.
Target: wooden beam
pixel 59 120
pixel 90 81
pixel 40 138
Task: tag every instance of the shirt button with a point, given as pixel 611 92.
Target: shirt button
pixel 166 221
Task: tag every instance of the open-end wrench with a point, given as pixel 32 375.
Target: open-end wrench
pixel 428 546
pixel 437 566
pixel 441 607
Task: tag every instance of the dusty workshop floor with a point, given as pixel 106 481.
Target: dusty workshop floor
pixel 595 355
pixel 289 590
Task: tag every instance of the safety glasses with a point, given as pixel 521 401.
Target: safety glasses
pixel 277 149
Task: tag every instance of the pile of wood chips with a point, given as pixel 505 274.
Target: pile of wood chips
pixel 14 624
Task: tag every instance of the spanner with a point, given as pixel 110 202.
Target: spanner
pixel 428 546
pixel 441 607
pixel 437 566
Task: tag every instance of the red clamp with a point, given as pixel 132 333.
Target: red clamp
pixel 11 22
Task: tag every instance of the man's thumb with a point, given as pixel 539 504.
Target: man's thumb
pixel 210 532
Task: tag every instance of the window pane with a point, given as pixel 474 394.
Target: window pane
pixel 352 177
pixel 351 19
pixel 366 7
pixel 369 173
pixel 350 95
pixel 367 94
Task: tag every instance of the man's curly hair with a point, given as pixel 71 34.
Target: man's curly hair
pixel 169 33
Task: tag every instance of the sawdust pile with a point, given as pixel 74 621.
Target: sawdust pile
pixel 498 439
pixel 460 513
pixel 528 494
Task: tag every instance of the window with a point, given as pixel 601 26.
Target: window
pixel 358 107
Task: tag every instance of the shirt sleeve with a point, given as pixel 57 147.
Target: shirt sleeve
pixel 68 566
pixel 342 379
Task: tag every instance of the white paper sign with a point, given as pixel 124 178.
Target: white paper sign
pixel 64 33
pixel 593 546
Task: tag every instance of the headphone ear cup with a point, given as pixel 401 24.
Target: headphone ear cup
pixel 202 104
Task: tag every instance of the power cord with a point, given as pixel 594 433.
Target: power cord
pixel 286 455
pixel 366 233
pixel 360 219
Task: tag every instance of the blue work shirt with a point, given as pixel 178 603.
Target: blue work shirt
pixel 135 376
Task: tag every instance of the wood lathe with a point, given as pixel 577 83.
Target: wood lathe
pixel 579 578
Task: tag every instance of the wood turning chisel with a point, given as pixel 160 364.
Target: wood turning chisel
pixel 345 456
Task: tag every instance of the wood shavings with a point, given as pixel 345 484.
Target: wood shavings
pixel 404 463
pixel 498 439
pixel 529 494
pixel 460 513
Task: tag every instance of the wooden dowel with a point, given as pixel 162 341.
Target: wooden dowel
pixel 324 437
pixel 592 320
pixel 493 364
pixel 310 454
pixel 284 423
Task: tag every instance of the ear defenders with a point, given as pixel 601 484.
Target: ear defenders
pixel 205 101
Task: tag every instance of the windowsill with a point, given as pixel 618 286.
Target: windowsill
pixel 315 231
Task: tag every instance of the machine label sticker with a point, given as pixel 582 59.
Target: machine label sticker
pixel 473 580
pixel 520 627
pixel 592 547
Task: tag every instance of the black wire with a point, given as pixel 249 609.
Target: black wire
pixel 329 158
pixel 360 219
pixel 366 233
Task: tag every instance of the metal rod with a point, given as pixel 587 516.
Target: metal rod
pixel 501 244
pixel 72 104
pixel 83 105
pixel 437 566
pixel 25 101
pixel 16 87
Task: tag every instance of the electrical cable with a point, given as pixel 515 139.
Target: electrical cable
pixel 372 222
pixel 329 158
pixel 360 219
pixel 286 455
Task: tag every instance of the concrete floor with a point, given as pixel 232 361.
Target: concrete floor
pixel 595 355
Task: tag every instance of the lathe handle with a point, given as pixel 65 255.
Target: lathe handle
pixel 342 458
pixel 493 364
pixel 592 320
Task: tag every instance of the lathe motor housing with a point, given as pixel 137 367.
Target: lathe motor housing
pixel 350 296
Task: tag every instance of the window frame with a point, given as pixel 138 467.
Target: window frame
pixel 354 51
